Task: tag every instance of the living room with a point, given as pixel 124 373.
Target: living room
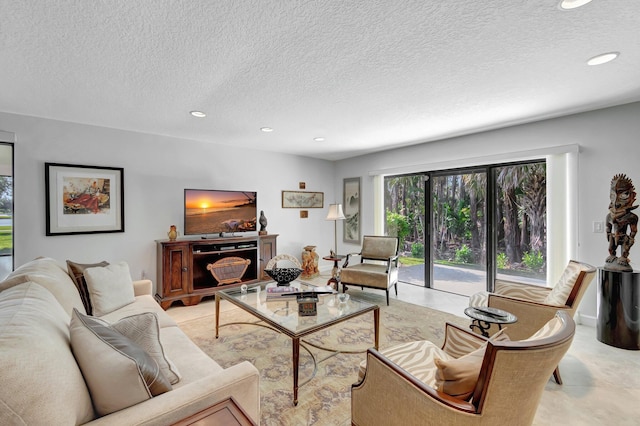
pixel 595 143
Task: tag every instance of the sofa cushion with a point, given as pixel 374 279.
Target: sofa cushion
pixel 76 271
pixel 367 274
pixel 144 303
pixel 118 372
pixel 49 274
pixel 110 287
pixel 143 330
pixel 193 363
pixel 41 381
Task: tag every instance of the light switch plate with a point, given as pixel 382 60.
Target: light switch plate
pixel 598 227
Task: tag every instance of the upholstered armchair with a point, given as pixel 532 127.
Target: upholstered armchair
pixel 535 305
pixel 378 267
pixel 470 380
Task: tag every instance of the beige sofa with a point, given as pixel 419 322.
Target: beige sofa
pixel 43 384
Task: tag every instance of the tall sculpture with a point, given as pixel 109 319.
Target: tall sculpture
pixel 622 224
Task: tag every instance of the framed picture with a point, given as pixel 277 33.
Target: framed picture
pixel 83 199
pixel 302 200
pixel 351 204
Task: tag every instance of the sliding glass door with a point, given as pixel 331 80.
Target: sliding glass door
pixel 476 225
pixel 521 225
pixel 458 231
pixel 6 209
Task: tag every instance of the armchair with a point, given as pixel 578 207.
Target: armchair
pixel 378 267
pixel 535 305
pixel 398 388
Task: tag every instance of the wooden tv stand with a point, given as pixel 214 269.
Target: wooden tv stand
pixel 182 265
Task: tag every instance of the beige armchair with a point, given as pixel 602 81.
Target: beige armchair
pixel 535 305
pixel 405 385
pixel 378 267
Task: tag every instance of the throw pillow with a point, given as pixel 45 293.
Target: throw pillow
pixel 144 331
pixel 458 377
pixel 110 287
pixel 118 372
pixel 76 271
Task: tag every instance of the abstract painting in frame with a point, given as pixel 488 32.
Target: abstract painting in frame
pixel 83 199
pixel 302 200
pixel 351 208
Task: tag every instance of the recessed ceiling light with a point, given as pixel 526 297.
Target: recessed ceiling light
pixel 318 139
pixel 603 59
pixel 572 4
pixel 266 129
pixel 198 114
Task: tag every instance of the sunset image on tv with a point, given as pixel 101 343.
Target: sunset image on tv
pixel 213 212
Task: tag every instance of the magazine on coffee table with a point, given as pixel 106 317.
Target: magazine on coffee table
pixel 293 292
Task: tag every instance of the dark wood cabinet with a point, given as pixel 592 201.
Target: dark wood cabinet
pixel 186 267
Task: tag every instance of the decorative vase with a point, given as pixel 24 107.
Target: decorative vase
pixel 173 233
pixel 310 263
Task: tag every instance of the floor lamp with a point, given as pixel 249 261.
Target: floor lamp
pixel 335 214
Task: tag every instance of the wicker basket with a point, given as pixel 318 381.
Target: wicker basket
pixel 229 270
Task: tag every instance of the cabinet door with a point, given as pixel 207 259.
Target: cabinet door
pixel 175 274
pixel 267 252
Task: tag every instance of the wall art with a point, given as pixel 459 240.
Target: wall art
pixel 351 208
pixel 83 199
pixel 302 200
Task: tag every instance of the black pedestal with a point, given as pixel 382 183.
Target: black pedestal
pixel 619 308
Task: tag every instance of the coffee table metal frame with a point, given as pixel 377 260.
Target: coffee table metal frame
pixel 270 315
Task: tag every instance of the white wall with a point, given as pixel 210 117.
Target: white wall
pixel 157 169
pixel 608 141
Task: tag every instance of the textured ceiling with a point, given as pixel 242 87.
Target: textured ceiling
pixel 366 76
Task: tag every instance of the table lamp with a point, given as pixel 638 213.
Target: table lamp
pixel 335 214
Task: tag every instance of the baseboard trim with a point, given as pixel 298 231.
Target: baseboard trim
pixel 588 320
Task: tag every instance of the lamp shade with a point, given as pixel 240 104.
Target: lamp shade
pixel 335 212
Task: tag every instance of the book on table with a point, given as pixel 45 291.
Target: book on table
pixel 293 292
pixel 281 292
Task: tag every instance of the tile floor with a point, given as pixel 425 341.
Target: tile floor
pixel 601 383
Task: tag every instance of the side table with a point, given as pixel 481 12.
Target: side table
pixel 483 317
pixel 226 412
pixel 618 303
pixel 335 272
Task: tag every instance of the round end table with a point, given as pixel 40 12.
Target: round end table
pixel 482 318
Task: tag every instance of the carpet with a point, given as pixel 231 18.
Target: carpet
pixel 325 399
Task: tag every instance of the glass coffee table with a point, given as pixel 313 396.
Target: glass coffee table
pixel 282 315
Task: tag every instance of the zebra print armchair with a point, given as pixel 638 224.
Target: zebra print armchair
pixel 535 305
pixel 470 380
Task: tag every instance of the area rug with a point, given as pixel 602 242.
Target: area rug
pixel 326 398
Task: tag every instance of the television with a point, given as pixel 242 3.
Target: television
pixel 220 212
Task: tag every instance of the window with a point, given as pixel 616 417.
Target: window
pixel 477 224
